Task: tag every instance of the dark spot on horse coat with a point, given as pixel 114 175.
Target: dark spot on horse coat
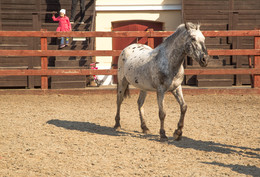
pixel 162 77
pixel 136 80
pixel 141 49
pixel 123 59
pixel 131 67
pixel 134 47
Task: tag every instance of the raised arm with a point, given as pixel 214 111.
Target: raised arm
pixel 54 18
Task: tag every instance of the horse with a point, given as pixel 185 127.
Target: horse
pixel 160 70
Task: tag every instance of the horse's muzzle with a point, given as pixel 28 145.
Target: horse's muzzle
pixel 204 61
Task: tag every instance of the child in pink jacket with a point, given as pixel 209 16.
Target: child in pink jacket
pixel 64 25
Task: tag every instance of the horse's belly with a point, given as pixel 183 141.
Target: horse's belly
pixel 141 84
pixel 140 78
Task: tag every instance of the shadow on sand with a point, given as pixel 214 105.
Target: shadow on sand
pixel 206 146
pixel 210 146
pixel 86 127
pixel 247 170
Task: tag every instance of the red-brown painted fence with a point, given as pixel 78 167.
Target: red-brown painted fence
pixel 44 53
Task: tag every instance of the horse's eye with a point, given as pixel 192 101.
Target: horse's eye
pixel 193 39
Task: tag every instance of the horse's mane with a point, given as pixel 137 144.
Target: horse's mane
pixel 179 30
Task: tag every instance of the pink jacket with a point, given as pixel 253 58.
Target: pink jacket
pixel 64 23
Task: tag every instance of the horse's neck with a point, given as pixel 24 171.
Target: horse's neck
pixel 175 50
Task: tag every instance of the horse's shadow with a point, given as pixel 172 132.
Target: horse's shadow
pixel 210 146
pixel 206 146
pixel 242 169
pixel 97 129
pixel 86 127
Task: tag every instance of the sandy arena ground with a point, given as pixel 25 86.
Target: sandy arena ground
pixel 63 135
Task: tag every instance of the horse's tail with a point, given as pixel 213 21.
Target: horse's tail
pixel 126 92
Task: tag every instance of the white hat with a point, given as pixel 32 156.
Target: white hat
pixel 63 11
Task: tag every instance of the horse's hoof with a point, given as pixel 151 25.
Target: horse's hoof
pixel 146 131
pixel 117 127
pixel 177 135
pixel 163 139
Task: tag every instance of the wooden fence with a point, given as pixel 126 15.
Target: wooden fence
pixel 44 53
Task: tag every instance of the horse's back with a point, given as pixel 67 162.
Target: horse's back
pixel 135 51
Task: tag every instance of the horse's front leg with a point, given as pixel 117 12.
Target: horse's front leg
pixel 179 97
pixel 162 114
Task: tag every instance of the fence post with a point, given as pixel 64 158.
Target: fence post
pixel 257 63
pixel 44 62
pixel 151 39
pixel 34 45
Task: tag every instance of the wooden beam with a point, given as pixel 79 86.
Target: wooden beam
pixel 110 52
pixel 234 52
pixel 70 72
pixel 47 53
pixel 221 71
pixel 150 39
pixel 44 63
pixel 122 33
pixel 75 34
pixel 232 33
pixel 57 72
pixel 257 64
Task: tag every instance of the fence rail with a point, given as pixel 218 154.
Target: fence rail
pixel 111 52
pixel 150 34
pixel 122 33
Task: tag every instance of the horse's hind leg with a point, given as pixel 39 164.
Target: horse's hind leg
pixel 179 97
pixel 140 103
pixel 122 87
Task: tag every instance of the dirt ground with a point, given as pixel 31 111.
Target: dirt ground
pixel 64 135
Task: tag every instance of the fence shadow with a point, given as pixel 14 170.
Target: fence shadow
pixel 242 169
pixel 206 146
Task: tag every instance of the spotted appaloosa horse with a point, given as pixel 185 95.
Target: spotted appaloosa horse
pixel 161 70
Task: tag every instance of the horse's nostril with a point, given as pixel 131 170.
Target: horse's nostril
pixel 203 61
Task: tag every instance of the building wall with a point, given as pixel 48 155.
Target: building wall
pixel 166 11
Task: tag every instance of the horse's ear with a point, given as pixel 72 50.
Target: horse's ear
pixel 187 26
pixel 198 26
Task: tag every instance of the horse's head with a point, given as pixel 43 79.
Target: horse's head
pixel 195 45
